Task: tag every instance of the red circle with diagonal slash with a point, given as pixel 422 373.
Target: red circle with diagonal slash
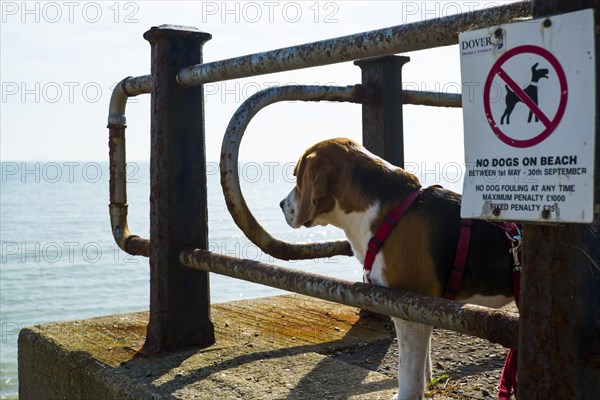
pixel 550 124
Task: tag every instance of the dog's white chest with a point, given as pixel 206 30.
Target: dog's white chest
pixel 357 227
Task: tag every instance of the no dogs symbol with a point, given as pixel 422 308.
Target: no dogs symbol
pixel 523 115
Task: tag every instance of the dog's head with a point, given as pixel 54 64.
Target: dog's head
pixel 339 176
pixel 537 74
pixel 313 193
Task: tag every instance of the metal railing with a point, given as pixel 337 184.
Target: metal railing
pixel 180 301
pixel 396 39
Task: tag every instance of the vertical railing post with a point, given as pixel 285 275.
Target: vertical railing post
pixel 382 119
pixel 559 335
pixel 179 296
pixel 382 123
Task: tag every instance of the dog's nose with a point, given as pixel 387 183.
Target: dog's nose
pixel 281 203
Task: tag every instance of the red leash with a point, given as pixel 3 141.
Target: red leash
pixel 508 379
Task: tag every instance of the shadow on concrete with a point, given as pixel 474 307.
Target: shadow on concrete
pixel 324 378
pixel 341 374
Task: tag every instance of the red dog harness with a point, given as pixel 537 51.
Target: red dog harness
pixel 389 223
pixel 508 380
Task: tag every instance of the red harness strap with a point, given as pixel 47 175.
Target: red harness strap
pixel 460 260
pixel 384 231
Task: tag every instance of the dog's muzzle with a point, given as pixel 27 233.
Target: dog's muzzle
pixel 289 206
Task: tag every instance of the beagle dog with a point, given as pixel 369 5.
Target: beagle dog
pixel 339 182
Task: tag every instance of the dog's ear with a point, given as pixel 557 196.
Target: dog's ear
pixel 311 185
pixel 535 66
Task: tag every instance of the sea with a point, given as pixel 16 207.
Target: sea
pixel 59 261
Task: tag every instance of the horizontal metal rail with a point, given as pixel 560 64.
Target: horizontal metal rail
pixel 494 325
pixel 128 87
pixel 436 99
pixel 396 39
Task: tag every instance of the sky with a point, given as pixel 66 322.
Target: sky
pixel 59 62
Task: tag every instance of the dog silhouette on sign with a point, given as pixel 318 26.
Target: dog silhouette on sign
pixel 532 91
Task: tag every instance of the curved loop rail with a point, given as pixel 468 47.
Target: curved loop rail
pixel 128 87
pixel 229 168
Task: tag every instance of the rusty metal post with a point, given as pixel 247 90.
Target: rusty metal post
pixel 179 296
pixel 559 343
pixel 382 118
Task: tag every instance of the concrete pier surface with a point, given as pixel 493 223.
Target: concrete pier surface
pixel 284 347
pixel 270 348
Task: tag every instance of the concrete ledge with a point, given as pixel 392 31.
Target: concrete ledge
pixel 285 347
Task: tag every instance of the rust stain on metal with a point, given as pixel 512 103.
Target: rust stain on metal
pixel 136 245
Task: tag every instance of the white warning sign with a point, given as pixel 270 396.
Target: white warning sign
pixel 529 120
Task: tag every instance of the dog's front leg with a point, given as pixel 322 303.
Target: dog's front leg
pixel 414 368
pixel 428 358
